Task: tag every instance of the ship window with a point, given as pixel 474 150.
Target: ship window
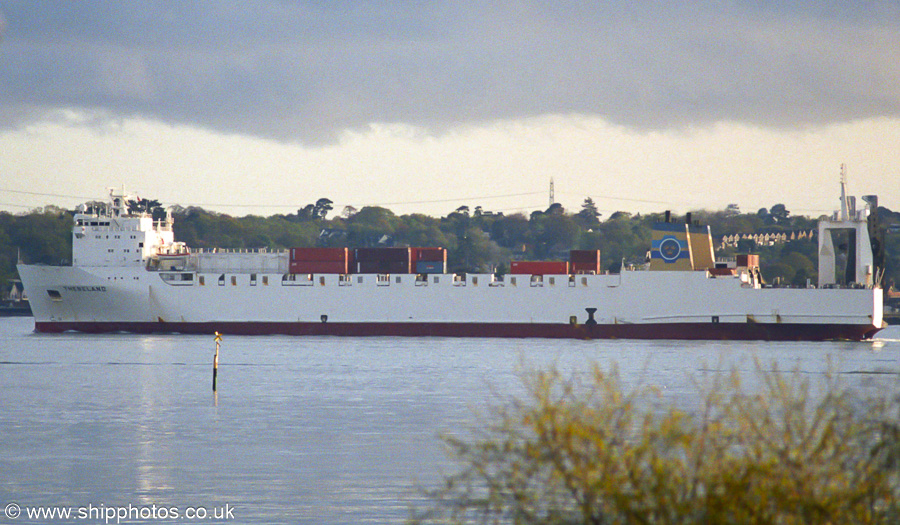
pixel 437 279
pixel 552 281
pixel 179 277
pixel 234 280
pixel 474 281
pixel 512 281
pixel 397 279
pixel 140 245
pixel 54 295
pixel 359 279
pixel 252 279
pixel 222 280
pixel 265 280
pixel 202 281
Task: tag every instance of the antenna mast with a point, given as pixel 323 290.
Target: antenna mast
pixel 844 215
pixel 552 199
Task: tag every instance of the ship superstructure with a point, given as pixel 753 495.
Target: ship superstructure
pixel 129 274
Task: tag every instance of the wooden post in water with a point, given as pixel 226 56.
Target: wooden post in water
pixel 216 360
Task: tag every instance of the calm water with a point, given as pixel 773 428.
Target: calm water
pixel 303 430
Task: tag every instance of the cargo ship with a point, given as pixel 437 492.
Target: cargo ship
pixel 129 274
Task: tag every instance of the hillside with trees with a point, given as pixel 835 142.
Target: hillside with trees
pixel 477 240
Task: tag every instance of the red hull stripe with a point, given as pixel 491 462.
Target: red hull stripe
pixel 687 331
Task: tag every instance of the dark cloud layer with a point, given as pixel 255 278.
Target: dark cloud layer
pixel 306 70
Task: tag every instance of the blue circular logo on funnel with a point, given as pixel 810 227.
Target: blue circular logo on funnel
pixel 669 248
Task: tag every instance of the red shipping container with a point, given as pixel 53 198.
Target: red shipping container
pixel 318 254
pixel 586 267
pixel 318 267
pixel 382 267
pixel 584 256
pixel 747 260
pixel 539 267
pixel 429 255
pixel 382 254
pixel 585 261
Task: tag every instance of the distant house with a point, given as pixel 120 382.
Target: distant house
pixel 331 235
pixel 15 292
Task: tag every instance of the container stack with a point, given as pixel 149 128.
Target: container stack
pixel 747 260
pixel 319 260
pixel 382 260
pixel 539 267
pixel 430 260
pixel 585 261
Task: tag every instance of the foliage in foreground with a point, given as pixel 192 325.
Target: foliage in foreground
pixel 596 453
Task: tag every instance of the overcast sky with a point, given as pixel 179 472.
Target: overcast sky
pixel 264 106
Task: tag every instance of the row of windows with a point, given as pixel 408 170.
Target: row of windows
pixel 385 280
pixel 265 280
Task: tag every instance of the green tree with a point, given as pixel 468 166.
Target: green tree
pixel 44 238
pixel 779 213
pixel 315 212
pixel 420 230
pixel 553 233
pixel 569 452
pixel 474 251
pixel 555 209
pixel 371 225
pixel 321 208
pixel 143 205
pixel 511 232
pixel 589 216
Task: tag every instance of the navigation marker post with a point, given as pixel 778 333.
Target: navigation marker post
pixel 218 340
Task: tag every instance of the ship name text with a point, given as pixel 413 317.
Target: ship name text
pixel 84 288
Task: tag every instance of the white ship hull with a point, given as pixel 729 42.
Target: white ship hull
pixel 129 274
pixel 633 304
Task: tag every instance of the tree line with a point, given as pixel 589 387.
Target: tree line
pixel 477 240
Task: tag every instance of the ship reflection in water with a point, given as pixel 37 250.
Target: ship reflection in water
pixel 308 430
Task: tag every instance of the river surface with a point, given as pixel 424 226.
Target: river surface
pixel 303 430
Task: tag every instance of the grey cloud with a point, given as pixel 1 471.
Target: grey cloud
pixel 307 70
